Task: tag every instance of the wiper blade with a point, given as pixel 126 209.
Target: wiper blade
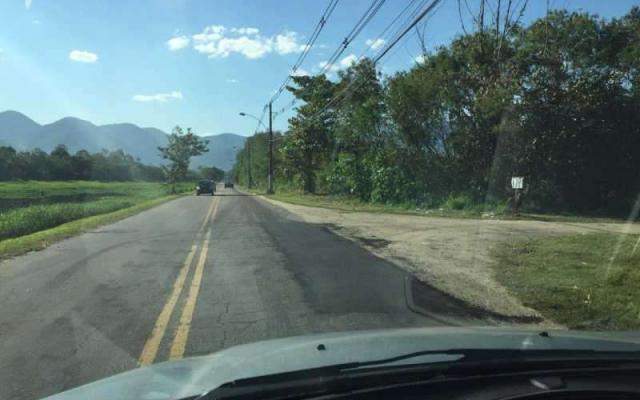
pixel 470 355
pixel 470 360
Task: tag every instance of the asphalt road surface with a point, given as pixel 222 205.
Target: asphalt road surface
pixel 190 277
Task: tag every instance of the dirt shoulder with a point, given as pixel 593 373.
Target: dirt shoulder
pixel 450 254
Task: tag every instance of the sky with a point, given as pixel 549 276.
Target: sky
pixel 197 63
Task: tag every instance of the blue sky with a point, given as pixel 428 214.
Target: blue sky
pixel 196 63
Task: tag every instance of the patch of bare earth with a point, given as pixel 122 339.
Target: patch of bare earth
pixel 447 253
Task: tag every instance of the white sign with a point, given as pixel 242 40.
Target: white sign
pixel 517 182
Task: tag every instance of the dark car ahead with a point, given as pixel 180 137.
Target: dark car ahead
pixel 205 186
pixel 228 185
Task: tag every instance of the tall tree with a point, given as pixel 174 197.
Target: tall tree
pixel 309 138
pixel 182 146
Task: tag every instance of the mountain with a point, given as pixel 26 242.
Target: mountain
pixel 22 133
pixel 13 121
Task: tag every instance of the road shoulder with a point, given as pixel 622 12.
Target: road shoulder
pixel 452 255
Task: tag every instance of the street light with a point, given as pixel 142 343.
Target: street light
pixel 270 175
pixel 244 114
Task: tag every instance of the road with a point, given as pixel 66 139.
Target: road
pixel 191 277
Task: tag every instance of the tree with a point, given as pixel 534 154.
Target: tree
pixel 358 134
pixel 7 163
pixel 309 138
pixel 213 173
pixel 182 146
pixel 60 163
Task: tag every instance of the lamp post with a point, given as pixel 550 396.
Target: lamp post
pixel 270 130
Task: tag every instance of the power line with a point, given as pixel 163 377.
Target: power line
pixel 355 31
pixel 307 48
pixel 397 37
pixel 431 6
pixel 415 11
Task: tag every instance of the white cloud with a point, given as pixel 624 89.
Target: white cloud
pixel 233 80
pixel 287 42
pixel 27 4
pixel 348 61
pixel 36 22
pixel 83 56
pixel 209 34
pixel 300 72
pixel 323 65
pixel 375 44
pixel 245 31
pixel 159 97
pixel 219 41
pixel 249 47
pixel 178 42
pixel 419 59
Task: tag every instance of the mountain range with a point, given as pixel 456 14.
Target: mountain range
pixel 22 133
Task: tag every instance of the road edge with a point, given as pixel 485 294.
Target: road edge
pixel 534 318
pixel 41 240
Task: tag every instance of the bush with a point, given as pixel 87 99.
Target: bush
pixel 459 202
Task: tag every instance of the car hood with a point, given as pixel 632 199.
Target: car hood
pixel 196 375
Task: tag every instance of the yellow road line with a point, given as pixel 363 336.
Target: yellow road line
pixel 213 201
pixel 150 349
pixel 153 343
pixel 182 332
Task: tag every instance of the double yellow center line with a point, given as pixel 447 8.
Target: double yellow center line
pixel 150 349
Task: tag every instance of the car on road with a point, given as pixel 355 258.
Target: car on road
pixel 205 187
pixel 438 363
pixel 228 185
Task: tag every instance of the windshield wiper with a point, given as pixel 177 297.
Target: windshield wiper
pixel 470 361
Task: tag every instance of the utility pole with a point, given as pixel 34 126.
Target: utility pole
pixel 270 177
pixel 249 162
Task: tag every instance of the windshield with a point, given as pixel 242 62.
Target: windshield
pixel 181 177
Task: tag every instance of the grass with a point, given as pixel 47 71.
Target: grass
pixel 452 207
pixel 346 203
pixel 586 281
pixel 35 214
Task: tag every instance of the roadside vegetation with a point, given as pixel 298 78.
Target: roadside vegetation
pixel 555 102
pixel 452 207
pixel 588 281
pixel 81 191
pixel 49 196
pixel 32 207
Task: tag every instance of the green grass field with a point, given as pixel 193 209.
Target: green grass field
pixel 584 281
pixel 33 214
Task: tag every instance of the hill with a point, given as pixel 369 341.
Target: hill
pixel 22 133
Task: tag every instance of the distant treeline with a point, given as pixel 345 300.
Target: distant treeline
pixel 59 164
pixel 557 102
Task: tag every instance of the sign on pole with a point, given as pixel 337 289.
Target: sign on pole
pixel 517 182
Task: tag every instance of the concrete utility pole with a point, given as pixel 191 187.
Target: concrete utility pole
pixel 249 183
pixel 270 177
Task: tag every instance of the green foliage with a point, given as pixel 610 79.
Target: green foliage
pixel 28 207
pixel 459 202
pixel 556 102
pixel 23 221
pixel 252 162
pixel 60 165
pixel 181 147
pixel 213 173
